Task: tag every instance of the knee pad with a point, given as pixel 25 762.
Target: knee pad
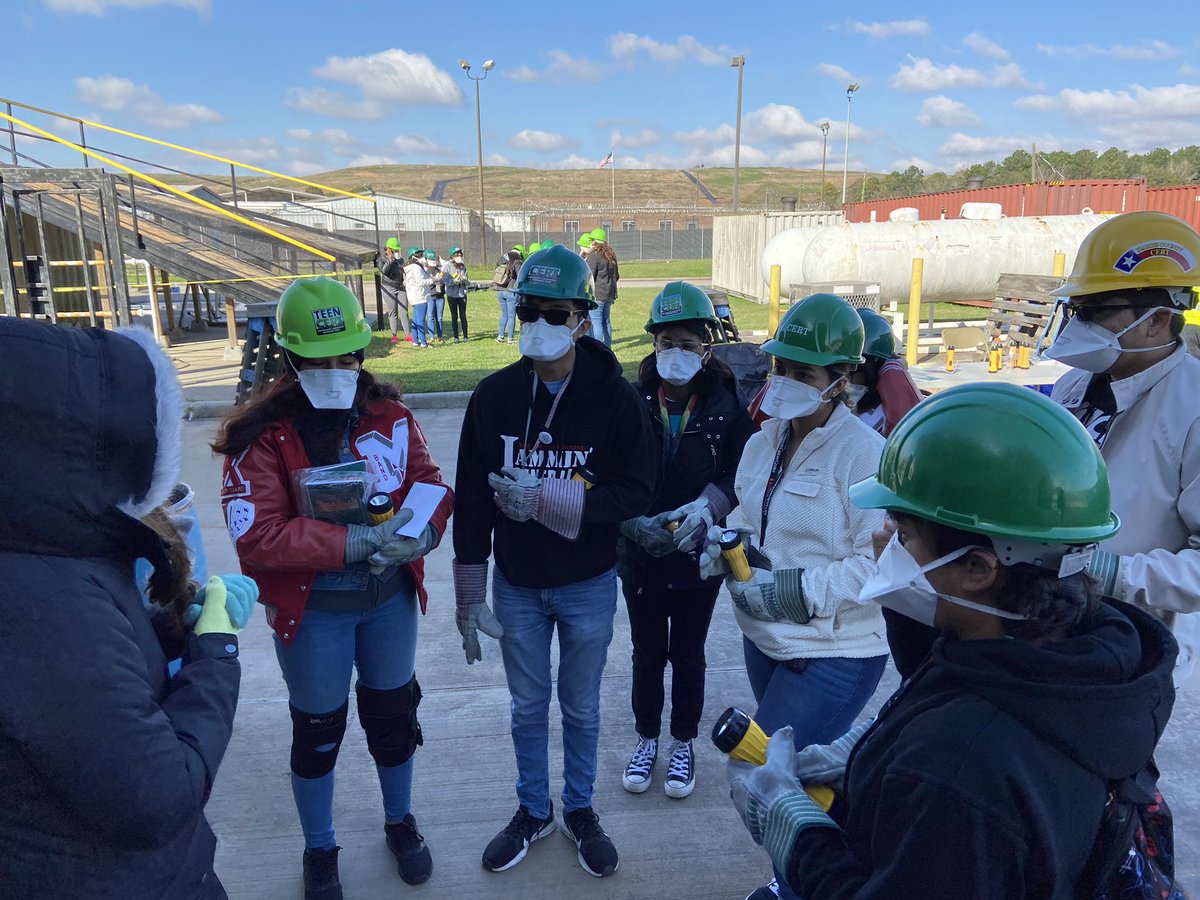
pixel 316 740
pixel 389 720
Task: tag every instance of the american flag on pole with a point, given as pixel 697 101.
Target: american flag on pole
pixel 607 161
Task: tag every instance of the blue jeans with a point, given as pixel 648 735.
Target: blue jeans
pixel 820 703
pixel 601 323
pixel 317 666
pixel 508 313
pixel 434 311
pixel 418 314
pixel 583 612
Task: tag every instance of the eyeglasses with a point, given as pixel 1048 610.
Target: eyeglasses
pixel 668 344
pixel 1088 313
pixel 529 313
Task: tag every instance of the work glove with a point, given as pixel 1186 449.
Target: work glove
pixel 471 612
pixel 697 518
pixel 771 596
pixel 223 605
pixel 364 540
pixel 826 763
pixel 772 801
pixel 712 563
pixel 400 550
pixel 1105 567
pixel 650 533
pixel 556 503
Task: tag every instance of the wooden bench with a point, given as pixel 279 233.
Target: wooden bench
pixel 1024 310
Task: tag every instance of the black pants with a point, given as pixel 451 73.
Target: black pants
pixel 458 308
pixel 669 625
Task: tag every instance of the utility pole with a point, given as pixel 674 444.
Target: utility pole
pixel 850 89
pixel 466 67
pixel 738 62
pixel 824 150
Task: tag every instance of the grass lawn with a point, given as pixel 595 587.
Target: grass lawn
pixel 460 367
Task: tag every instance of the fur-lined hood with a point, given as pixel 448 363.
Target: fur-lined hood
pixel 91 437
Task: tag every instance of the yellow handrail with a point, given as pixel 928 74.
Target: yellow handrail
pixel 191 198
pixel 212 156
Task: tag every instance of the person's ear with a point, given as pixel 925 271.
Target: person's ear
pixel 981 572
pixel 1159 323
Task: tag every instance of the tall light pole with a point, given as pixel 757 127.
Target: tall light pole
pixel 824 148
pixel 739 63
pixel 850 89
pixel 466 67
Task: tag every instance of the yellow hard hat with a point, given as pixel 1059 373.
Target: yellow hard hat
pixel 1137 250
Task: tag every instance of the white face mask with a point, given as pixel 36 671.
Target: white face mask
pixel 899 584
pixel 1092 347
pixel 329 388
pixel 787 398
pixel 543 342
pixel 678 366
pixel 856 392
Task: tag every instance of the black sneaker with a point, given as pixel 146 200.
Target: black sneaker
pixel 509 847
pixel 413 858
pixel 597 854
pixel 681 770
pixel 321 880
pixel 768 891
pixel 641 765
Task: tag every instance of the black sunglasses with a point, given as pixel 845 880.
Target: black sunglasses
pixel 529 313
pixel 1087 313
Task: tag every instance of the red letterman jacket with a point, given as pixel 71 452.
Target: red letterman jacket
pixel 282 550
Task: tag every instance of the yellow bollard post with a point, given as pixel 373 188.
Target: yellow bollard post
pixel 1060 264
pixel 773 308
pixel 914 311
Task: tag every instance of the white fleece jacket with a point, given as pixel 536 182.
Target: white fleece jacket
pixel 813 525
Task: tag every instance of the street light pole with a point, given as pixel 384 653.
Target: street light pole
pixel 850 89
pixel 824 149
pixel 466 67
pixel 738 62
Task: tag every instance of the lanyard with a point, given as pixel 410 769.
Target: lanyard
pixel 544 436
pixel 774 478
pixel 671 438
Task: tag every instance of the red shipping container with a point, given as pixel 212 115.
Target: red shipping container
pixel 1046 198
pixel 1182 201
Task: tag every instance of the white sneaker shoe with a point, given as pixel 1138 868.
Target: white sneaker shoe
pixel 681 770
pixel 638 773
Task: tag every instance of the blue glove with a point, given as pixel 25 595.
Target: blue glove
pixel 241 593
pixel 772 801
pixel 1105 567
pixel 771 596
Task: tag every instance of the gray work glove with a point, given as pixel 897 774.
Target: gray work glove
pixel 364 540
pixel 471 612
pixel 697 518
pixel 826 763
pixel 650 533
pixel 556 503
pixel 400 550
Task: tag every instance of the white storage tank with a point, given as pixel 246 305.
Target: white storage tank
pixel 905 214
pixel 982 212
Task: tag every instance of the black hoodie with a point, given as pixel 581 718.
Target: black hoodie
pixel 105 762
pixel 985 775
pixel 600 424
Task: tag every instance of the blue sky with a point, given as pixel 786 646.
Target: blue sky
pixel 305 86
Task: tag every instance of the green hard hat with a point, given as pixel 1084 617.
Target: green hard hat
pixel 393 244
pixel 880 340
pixel 678 302
pixel 533 248
pixel 599 234
pixel 557 274
pixel 519 248
pixel 584 241
pixel 820 330
pixel 413 251
pixel 547 243
pixel 320 317
pixel 454 250
pixel 430 253
pixel 996 459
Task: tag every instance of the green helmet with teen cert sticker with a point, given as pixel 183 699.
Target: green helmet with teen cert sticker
pixel 557 274
pixel 678 302
pixel 999 460
pixel 820 330
pixel 319 317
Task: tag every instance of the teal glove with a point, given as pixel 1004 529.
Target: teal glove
pixel 826 763
pixel 771 596
pixel 1105 567
pixel 772 801
pixel 241 593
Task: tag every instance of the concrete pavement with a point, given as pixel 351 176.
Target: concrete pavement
pixel 463 790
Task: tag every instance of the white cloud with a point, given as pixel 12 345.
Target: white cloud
pixel 255 151
pixel 626 46
pixel 985 46
pixel 302 167
pixel 829 70
pixel 901 165
pixel 1187 70
pixel 385 79
pixel 963 149
pixel 563 67
pixel 338 140
pixel 539 141
pixel 920 74
pixel 203 8
pixel 942 112
pixel 1140 118
pixel 574 161
pixel 419 145
pixel 496 159
pixel 122 95
pixel 372 159
pixel 899 28
pixel 647 137
pixel 1146 50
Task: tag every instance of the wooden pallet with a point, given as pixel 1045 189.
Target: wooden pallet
pixel 1024 308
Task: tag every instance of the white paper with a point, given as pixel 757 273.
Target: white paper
pixel 422 499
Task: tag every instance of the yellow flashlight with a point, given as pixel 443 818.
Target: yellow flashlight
pixel 739 736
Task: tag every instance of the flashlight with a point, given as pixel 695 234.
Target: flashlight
pixel 379 508
pixel 739 736
pixel 735 554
